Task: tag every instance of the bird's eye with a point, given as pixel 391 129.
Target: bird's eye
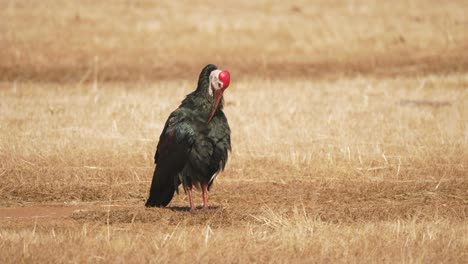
pixel 219 85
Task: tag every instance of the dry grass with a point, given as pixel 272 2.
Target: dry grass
pixel 349 131
pixel 280 239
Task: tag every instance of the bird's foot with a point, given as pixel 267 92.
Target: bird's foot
pixel 200 210
pixel 205 209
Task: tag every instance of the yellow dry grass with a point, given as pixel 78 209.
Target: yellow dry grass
pixel 349 130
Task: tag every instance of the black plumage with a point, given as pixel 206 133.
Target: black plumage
pixel 194 144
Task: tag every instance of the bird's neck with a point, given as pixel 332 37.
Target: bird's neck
pixel 200 102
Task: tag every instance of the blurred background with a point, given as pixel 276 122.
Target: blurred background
pixel 76 41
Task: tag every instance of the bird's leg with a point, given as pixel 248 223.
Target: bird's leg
pixel 189 190
pixel 205 195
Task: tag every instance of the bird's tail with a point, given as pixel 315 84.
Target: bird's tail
pixel 162 189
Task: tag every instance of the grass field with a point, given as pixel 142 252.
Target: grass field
pixel 349 130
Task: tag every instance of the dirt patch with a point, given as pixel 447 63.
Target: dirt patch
pixel 238 204
pixel 37 212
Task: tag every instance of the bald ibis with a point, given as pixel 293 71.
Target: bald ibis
pixel 194 144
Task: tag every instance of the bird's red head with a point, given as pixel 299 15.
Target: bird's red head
pixel 219 81
pixel 225 77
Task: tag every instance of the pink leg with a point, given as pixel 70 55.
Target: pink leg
pixel 189 190
pixel 205 195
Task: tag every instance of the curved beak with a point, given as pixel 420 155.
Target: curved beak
pixel 217 96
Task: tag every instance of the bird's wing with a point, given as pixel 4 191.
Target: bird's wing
pixel 176 138
pixel 220 133
pixel 171 156
pixel 209 152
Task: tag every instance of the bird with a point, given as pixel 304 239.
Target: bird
pixel 194 145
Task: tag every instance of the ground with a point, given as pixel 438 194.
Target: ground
pixel 349 131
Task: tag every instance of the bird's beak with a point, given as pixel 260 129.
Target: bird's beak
pixel 217 96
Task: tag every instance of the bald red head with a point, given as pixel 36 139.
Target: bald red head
pixel 225 77
pixel 219 81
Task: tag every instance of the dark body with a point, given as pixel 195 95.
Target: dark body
pixel 191 150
